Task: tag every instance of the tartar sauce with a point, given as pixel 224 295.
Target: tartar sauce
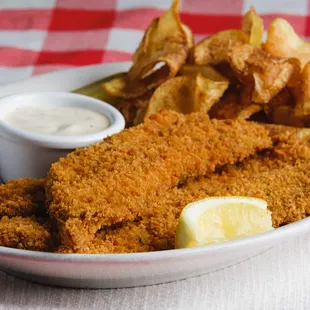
pixel 57 120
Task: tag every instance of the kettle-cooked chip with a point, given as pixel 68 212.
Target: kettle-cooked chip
pixel 142 105
pixel 253 25
pixel 282 110
pixel 303 93
pixel 122 87
pixel 226 107
pixel 284 115
pixel 270 74
pixel 266 81
pixel 283 98
pixel 215 49
pixel 246 104
pixel 207 71
pixel 282 41
pixel 128 110
pixel 134 110
pixel 189 36
pixel 235 105
pixel 186 94
pixel 165 43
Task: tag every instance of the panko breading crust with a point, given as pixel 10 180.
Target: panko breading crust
pixel 25 233
pixel 23 197
pixel 114 181
pixel 280 175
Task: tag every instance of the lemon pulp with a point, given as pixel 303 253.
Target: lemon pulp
pixel 218 219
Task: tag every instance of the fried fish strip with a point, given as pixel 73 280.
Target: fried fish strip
pixel 285 190
pixel 280 175
pixel 114 181
pixel 25 233
pixel 23 197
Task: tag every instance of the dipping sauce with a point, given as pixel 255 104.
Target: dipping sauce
pixel 57 120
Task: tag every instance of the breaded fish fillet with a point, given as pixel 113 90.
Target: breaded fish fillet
pixel 25 233
pixel 280 170
pixel 158 231
pixel 20 202
pixel 23 197
pixel 116 180
pixel 281 176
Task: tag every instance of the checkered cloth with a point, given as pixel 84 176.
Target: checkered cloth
pixel 41 36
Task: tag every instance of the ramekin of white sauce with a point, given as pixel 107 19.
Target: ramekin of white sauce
pixel 36 129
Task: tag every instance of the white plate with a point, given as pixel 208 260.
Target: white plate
pixel 125 270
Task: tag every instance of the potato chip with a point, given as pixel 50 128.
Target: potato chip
pixel 303 93
pixel 284 115
pixel 226 107
pixel 247 111
pixel 269 74
pixel 128 110
pixel 281 110
pixel 215 49
pixel 142 105
pixel 186 94
pixel 207 71
pixel 134 110
pixel 235 105
pixel 189 36
pixel 282 41
pixel 165 43
pixel 226 70
pixel 253 25
pixel 246 105
pixel 283 98
pixel 266 82
pixel 295 79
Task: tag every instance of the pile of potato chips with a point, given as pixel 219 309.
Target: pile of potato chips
pixel 231 74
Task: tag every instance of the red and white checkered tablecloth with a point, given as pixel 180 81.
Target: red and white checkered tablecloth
pixel 39 36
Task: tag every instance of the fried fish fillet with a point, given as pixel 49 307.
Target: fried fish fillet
pixel 158 232
pixel 27 233
pixel 280 175
pixel 23 197
pixel 281 169
pixel 24 223
pixel 115 181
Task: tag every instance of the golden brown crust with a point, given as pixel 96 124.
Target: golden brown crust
pixel 281 176
pixel 26 233
pixel 131 237
pixel 23 197
pixel 113 182
pixel 285 190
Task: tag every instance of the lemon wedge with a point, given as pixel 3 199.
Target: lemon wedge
pixel 218 219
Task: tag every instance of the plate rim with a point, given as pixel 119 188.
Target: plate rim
pixel 297 228
pixel 290 230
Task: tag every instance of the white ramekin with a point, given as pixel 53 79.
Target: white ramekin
pixel 25 154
